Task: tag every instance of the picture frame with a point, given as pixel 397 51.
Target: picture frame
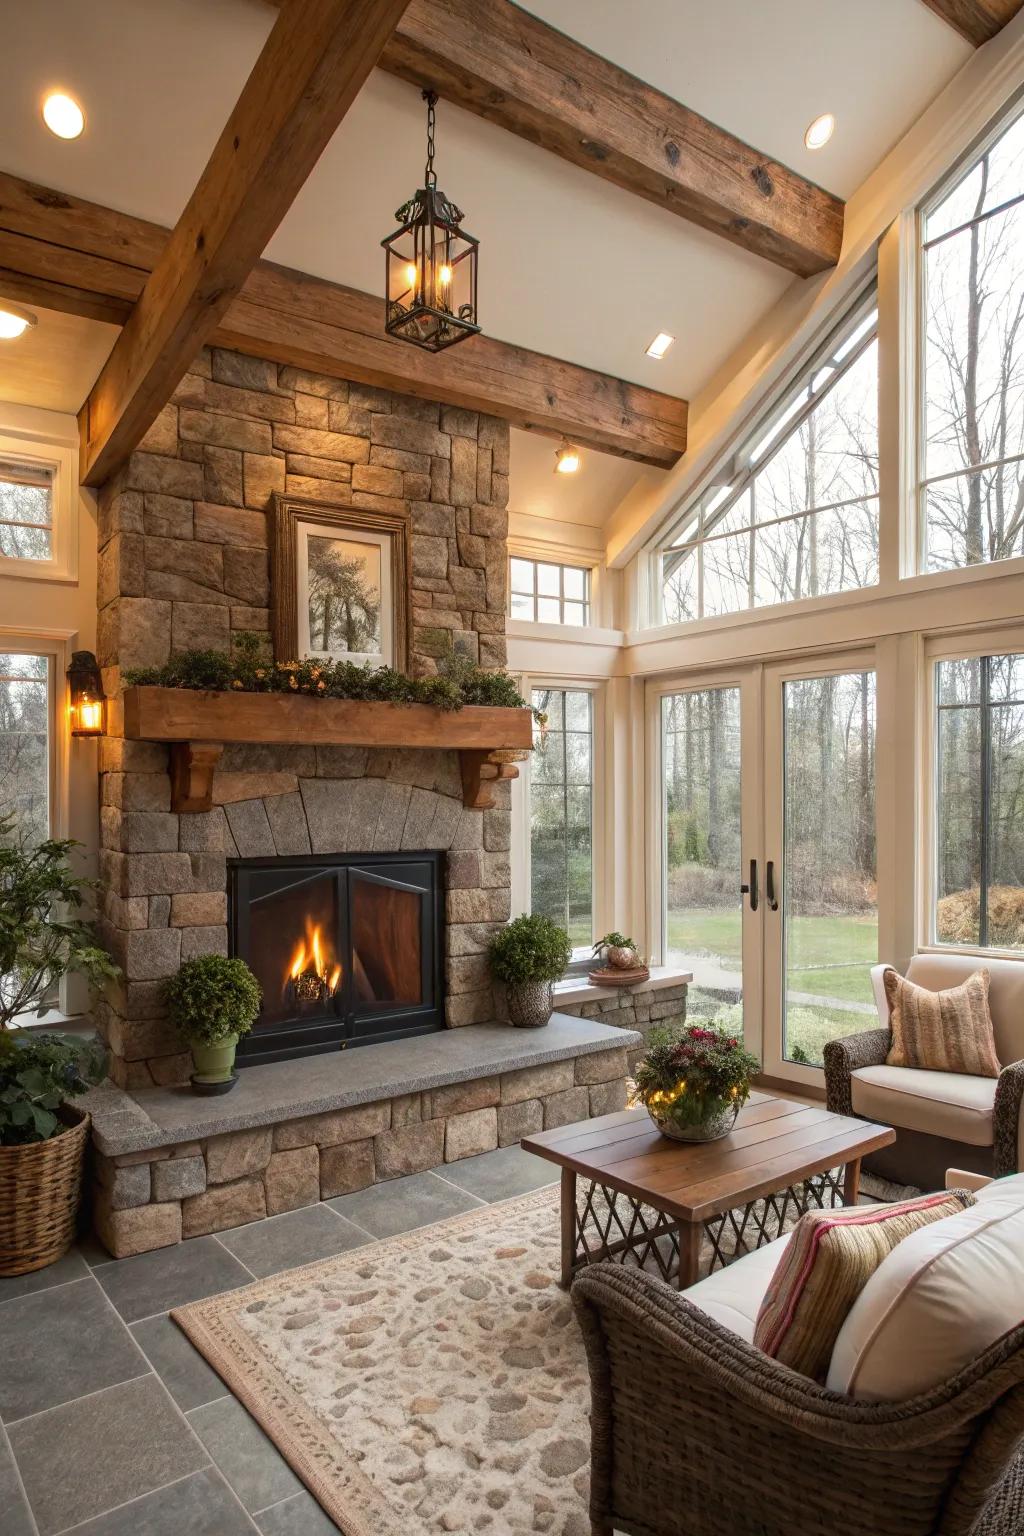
pixel 340 583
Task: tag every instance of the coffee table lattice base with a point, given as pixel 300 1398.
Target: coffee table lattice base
pixel 612 1226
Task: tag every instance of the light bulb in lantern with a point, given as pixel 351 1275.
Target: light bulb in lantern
pixel 411 275
pixel 86 703
pixel 445 276
pixel 567 459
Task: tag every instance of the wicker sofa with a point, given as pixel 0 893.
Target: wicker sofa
pixel 695 1432
pixel 940 1118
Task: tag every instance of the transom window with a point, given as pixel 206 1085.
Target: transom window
pixel 561 812
pixel 972 490
pixel 979 793
pixel 550 593
pixel 794 514
pixel 26 511
pixel 25 745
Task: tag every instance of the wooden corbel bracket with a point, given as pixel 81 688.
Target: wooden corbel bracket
pixel 480 771
pixel 192 768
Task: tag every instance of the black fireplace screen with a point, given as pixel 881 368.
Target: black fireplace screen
pixel 346 949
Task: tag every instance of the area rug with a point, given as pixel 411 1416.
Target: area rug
pixel 429 1383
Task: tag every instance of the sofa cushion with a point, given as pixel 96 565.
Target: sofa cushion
pixel 1005 992
pixel 946 1104
pixel 940 1299
pixel 831 1256
pixel 998 1189
pixel 946 1031
pixel 733 1296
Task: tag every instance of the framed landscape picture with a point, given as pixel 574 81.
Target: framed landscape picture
pixel 340 584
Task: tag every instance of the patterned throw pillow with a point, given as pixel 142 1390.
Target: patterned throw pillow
pixel 830 1257
pixel 948 1031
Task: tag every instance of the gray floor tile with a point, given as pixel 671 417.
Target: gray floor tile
pixel 16 1520
pixel 71 1267
pixel 200 1505
pixel 502 1174
pixel 90 1456
pixel 285 1242
pixel 170 1277
pixel 180 1366
pixel 300 1516
pixel 398 1205
pixel 59 1344
pixel 248 1459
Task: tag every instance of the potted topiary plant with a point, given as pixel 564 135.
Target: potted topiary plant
pixel 43 936
pixel 528 956
pixel 212 1001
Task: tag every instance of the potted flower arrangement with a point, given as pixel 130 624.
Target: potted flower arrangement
pixel 43 936
pixel 212 1001
pixel 528 956
pixel 694 1081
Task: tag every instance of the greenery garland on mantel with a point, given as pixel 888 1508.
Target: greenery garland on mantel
pixel 249 670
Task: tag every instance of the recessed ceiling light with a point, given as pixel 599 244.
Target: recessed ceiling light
pixel 820 131
pixel 660 345
pixel 14 321
pixel 62 115
pixel 567 459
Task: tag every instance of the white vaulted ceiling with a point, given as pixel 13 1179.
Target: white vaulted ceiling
pixel 570 265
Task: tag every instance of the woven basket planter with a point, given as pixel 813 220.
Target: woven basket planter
pixel 40 1185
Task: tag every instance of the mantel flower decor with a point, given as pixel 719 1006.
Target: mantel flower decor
pixel 694 1081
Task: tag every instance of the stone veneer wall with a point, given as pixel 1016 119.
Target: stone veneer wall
pixel 634 1010
pixel 184 562
pixel 146 1200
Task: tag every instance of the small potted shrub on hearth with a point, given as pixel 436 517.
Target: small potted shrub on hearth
pixel 694 1080
pixel 212 1001
pixel 43 1138
pixel 529 955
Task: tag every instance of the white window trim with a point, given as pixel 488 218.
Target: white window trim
pixel 521 842
pixel 62 458
pixel 561 554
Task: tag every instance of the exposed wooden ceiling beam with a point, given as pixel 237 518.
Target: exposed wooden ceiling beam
pixel 62 252
pixel 312 66
pixel 976 20
pixel 496 60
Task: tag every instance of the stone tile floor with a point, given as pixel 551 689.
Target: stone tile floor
pixel 111 1424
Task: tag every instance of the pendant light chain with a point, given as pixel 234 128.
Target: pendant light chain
pixel 430 175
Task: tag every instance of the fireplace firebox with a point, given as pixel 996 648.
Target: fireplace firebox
pixel 347 949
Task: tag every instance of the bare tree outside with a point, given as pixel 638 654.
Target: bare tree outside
pixel 24 749
pixel 26 512
pixel 561 812
pixel 344 596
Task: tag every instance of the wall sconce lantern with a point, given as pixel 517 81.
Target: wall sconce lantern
pixel 431 265
pixel 88 707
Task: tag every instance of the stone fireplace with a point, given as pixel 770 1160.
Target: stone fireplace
pixel 184 563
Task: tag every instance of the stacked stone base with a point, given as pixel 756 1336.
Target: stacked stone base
pixel 151 1199
pixel 639 1010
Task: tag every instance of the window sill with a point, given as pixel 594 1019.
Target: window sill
pixel 579 990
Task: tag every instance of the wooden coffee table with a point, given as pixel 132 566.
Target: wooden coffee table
pixel 648 1199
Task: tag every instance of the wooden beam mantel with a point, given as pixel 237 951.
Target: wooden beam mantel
pixel 312 66
pixel 978 21
pixel 495 59
pixel 197 724
pixel 67 254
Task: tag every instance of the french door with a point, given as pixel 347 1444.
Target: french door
pixel 765 848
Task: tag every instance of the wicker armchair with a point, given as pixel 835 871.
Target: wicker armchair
pixel 976 1123
pixel 697 1433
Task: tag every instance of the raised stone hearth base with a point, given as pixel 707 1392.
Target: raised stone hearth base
pixel 170 1166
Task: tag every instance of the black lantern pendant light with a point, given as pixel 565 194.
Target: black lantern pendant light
pixel 430 265
pixel 87 706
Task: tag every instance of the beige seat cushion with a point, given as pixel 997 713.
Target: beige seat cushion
pixel 943 1296
pixel 733 1296
pixel 946 1104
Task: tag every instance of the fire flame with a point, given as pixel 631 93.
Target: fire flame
pixel 309 959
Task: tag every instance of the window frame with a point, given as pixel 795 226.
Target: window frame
pixel 914 337
pixel 31 448
pixel 563 559
pixel 953 646
pixel 737 469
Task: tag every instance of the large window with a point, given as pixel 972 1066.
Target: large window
pixel 561 812
pixel 973 279
pixel 552 594
pixel 795 513
pixel 979 797
pixel 25 744
pixel 26 511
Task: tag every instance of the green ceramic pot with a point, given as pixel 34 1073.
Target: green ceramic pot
pixel 214 1063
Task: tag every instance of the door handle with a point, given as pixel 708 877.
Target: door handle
pixel 769 886
pixel 750 889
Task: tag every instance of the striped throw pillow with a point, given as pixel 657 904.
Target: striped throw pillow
pixel 948 1031
pixel 830 1257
